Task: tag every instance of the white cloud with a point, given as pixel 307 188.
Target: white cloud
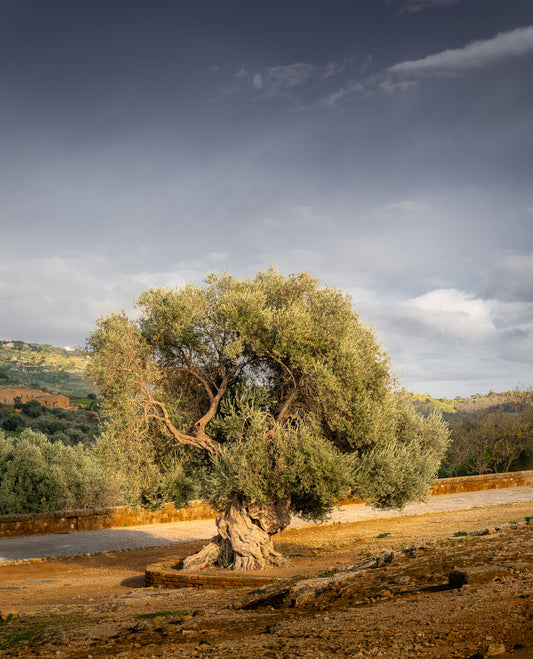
pixel 39 291
pixel 304 76
pixel 217 257
pixel 332 100
pixel 455 315
pixel 286 79
pixel 405 75
pixel 413 6
pixel 258 81
pixel 451 342
pixel 475 55
pixel 292 75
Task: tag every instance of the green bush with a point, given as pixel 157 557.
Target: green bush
pixel 37 475
pixel 14 423
pixel 32 409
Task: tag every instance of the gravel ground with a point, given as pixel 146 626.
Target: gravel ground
pixel 96 606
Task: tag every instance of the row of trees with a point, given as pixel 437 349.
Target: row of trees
pixel 493 439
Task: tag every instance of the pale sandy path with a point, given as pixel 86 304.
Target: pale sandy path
pixel 158 535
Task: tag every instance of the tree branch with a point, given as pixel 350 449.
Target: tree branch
pixel 284 366
pixel 201 424
pixel 284 412
pixel 199 378
pixel 202 441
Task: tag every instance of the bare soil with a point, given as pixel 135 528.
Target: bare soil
pixel 94 607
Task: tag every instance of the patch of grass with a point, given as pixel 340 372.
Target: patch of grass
pixel 9 617
pixel 161 614
pixel 11 640
pixel 18 630
pixel 82 401
pixel 383 535
pixel 460 534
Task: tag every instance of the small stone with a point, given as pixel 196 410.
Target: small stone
pixel 490 530
pixel 494 649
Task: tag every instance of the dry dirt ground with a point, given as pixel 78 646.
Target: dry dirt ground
pixel 394 602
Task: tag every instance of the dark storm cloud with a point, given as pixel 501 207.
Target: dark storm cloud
pixel 384 146
pixel 513 278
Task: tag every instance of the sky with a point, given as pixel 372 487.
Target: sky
pixel 384 146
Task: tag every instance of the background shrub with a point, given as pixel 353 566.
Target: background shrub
pixel 38 475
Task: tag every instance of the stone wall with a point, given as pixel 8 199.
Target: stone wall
pixel 65 521
pixel 483 482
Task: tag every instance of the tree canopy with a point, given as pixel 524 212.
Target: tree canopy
pixel 270 391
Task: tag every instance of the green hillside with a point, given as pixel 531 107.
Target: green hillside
pixel 62 370
pixel 471 405
pixel 425 404
pixel 59 370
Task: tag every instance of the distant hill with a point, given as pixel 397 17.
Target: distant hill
pixel 450 408
pixel 58 370
pixel 425 404
pixel 62 370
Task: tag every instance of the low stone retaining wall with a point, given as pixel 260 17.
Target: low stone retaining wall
pixel 66 521
pixel 85 520
pixel 483 482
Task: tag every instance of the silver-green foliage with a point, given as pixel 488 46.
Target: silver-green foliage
pixel 37 475
pixel 405 460
pixel 147 474
pixel 325 416
pixel 266 462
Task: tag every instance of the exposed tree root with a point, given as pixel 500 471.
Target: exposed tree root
pixel 244 538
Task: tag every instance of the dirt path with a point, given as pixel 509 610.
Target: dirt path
pixel 97 606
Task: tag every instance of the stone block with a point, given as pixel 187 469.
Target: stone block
pixel 475 575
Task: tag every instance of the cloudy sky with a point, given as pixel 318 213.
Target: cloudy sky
pixel 383 145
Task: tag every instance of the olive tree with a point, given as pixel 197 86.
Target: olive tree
pixel 277 382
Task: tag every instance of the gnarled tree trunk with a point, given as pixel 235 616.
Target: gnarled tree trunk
pixel 244 537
